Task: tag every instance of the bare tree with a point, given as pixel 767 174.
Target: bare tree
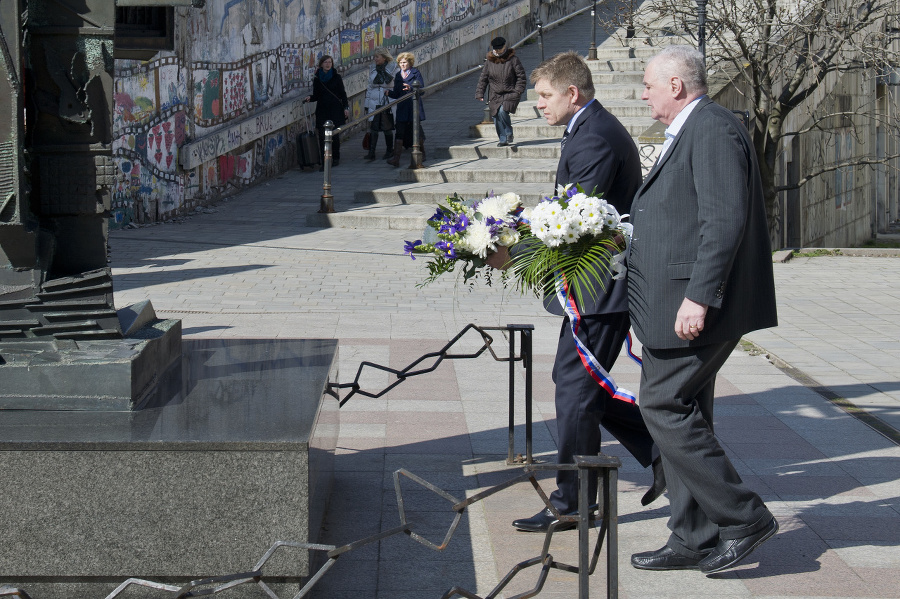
pixel 787 58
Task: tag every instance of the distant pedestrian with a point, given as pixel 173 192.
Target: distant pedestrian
pixel 403 81
pixel 381 81
pixel 504 76
pixel 331 104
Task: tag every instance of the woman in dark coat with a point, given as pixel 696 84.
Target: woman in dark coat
pixel 331 105
pixel 505 75
pixel 403 81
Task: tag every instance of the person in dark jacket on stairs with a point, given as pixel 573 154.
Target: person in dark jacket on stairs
pixel 403 81
pixel 331 104
pixel 504 76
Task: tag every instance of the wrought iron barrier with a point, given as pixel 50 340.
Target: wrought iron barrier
pixel 525 356
pixel 604 466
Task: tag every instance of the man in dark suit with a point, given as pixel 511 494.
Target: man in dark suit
pixel 699 277
pixel 599 155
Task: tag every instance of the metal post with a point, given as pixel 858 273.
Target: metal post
pixel 611 513
pixel 592 51
pixel 701 28
pixel 510 456
pixel 583 528
pixel 327 203
pixel 487 105
pixel 416 156
pixel 540 27
pixel 527 363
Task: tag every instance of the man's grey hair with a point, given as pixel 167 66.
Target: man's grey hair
pixel 683 62
pixel 563 70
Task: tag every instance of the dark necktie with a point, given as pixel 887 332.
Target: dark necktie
pixel 562 143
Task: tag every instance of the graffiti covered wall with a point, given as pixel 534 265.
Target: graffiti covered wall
pixel 222 110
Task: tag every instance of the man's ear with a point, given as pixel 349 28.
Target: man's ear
pixel 574 94
pixel 676 86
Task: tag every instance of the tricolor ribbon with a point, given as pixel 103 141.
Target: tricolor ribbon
pixel 591 364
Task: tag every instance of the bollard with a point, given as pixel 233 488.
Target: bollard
pixel 540 28
pixel 327 203
pixel 592 51
pixel 415 160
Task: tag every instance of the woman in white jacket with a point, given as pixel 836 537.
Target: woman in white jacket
pixel 381 80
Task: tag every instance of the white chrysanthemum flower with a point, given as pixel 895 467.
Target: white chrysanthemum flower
pixel 498 207
pixel 478 239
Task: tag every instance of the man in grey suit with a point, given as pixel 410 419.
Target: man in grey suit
pixel 699 277
pixel 598 154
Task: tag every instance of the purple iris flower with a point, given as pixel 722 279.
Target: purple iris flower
pixel 447 248
pixel 409 246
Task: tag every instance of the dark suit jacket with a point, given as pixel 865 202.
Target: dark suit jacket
pixel 700 232
pixel 601 156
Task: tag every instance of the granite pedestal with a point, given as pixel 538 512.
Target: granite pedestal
pixel 233 452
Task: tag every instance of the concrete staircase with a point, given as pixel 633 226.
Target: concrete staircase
pixel 475 167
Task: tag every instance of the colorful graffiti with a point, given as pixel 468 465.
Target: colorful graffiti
pixel 245 58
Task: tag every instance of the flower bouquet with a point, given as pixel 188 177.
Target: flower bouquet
pixel 571 242
pixel 466 231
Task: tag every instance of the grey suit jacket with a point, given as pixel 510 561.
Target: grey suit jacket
pixel 700 232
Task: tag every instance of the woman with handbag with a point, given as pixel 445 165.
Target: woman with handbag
pixel 403 81
pixel 381 81
pixel 331 105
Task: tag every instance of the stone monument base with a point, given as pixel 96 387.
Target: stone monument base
pixel 233 452
pixel 85 374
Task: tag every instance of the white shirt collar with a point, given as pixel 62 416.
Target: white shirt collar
pixel 678 122
pixel 574 118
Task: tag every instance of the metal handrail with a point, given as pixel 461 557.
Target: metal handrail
pixel 327 201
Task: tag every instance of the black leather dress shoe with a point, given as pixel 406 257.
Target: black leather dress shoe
pixel 542 520
pixel 664 559
pixel 659 483
pixel 729 552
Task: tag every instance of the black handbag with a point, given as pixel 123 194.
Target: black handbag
pixel 387 120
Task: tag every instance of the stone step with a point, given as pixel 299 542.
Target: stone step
pixel 380 216
pixel 513 170
pixel 622 65
pixel 618 77
pixel 536 148
pixel 612 91
pixel 430 194
pixel 531 129
pixel 620 108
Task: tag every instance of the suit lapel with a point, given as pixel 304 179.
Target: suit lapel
pixel 589 111
pixel 671 150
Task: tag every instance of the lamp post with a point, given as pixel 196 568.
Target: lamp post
pixel 592 51
pixel 701 27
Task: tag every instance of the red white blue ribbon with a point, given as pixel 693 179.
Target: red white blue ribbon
pixel 591 364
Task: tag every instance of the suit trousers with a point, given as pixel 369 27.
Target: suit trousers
pixel 582 405
pixel 707 496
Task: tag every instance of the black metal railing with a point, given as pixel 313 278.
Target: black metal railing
pixel 525 357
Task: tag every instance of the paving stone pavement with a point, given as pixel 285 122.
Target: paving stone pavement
pixel 250 267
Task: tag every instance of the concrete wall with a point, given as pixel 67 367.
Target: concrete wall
pixel 222 110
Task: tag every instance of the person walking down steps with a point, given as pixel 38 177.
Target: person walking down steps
pixel 504 76
pixel 403 81
pixel 381 81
